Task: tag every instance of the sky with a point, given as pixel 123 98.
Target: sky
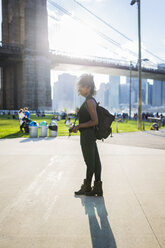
pixel 82 34
pixel 118 13
pixel 83 37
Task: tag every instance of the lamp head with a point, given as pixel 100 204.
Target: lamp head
pixel 133 2
pixel 145 59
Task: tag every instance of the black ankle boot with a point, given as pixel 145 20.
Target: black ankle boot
pixel 85 188
pixel 96 189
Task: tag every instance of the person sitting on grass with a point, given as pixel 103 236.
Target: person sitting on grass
pixel 68 122
pixel 55 118
pixel 21 121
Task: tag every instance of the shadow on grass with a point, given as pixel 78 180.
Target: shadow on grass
pixel 28 139
pixel 14 135
pixel 100 230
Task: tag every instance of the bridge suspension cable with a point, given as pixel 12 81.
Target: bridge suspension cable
pixel 101 20
pixel 102 35
pixel 116 30
pixel 105 37
pixel 103 46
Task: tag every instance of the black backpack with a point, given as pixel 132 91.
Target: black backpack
pixel 103 129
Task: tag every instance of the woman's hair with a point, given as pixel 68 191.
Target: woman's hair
pixel 20 111
pixel 86 80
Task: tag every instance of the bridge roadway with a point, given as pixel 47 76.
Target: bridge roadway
pixel 62 62
pixel 11 53
pixel 38 208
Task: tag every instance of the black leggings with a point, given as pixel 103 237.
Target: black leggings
pixel 90 154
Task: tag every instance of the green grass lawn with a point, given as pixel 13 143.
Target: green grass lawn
pixel 9 128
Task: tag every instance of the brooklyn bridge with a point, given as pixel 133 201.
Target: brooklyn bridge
pixel 26 59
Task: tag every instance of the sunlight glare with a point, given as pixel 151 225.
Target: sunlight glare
pixel 74 37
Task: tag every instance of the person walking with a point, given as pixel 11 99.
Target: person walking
pixel 88 119
pixel 21 121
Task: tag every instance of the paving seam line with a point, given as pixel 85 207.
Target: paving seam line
pixel 141 208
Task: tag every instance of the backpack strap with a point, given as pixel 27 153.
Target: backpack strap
pixel 97 103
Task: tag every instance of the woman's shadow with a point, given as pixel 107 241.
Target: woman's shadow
pixel 101 233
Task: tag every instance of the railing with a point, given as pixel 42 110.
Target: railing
pixel 108 61
pixel 89 57
pixel 123 64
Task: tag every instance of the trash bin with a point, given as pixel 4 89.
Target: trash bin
pixel 43 129
pixel 33 129
pixel 53 129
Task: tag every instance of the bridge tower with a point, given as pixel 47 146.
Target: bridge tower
pixel 26 77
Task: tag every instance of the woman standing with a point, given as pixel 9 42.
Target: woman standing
pixel 88 119
pixel 21 116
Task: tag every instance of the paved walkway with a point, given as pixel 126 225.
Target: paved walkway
pixel 38 208
pixel 148 139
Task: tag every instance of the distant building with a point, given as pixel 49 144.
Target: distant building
pixel 106 96
pixel 163 93
pixel 114 82
pixel 161 66
pixel 134 89
pixel 144 83
pixel 64 93
pixel 156 93
pixel 124 91
pixel 148 99
pixel 102 95
pixel 78 100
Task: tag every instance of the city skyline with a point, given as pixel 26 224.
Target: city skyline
pixel 113 94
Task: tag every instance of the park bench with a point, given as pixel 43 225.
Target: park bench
pixel 155 119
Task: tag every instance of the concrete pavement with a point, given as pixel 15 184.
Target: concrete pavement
pixel 148 139
pixel 38 208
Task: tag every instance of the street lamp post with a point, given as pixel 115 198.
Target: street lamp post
pixel 139 67
pixel 130 88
